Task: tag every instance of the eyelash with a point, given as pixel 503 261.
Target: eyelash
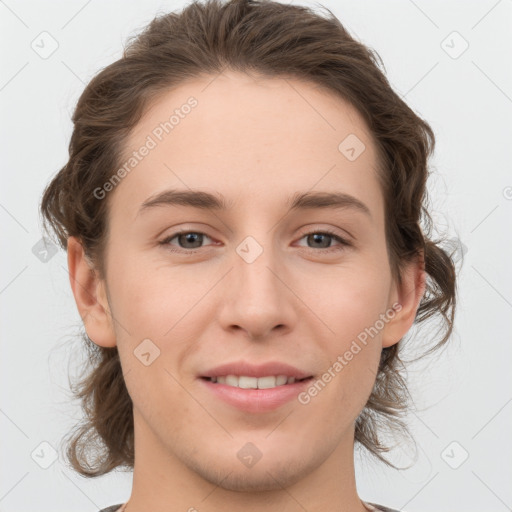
pixel 190 252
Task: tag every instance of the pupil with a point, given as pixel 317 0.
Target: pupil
pixel 189 238
pixel 316 235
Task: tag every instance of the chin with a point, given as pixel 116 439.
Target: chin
pixel 267 474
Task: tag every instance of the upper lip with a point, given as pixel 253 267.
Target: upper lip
pixel 252 370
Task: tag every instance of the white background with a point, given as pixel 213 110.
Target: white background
pixel 462 395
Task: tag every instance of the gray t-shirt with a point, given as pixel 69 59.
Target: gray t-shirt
pixel 371 506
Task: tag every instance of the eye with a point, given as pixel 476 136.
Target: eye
pixel 190 241
pixel 321 238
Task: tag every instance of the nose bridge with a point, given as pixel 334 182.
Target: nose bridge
pixel 255 267
pixel 257 298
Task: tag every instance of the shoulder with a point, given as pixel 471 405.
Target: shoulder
pixel 112 508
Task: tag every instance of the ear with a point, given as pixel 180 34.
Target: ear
pixel 90 296
pixel 406 296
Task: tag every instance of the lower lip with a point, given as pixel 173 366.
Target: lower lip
pixel 256 400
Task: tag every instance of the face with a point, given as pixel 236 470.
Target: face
pixel 191 286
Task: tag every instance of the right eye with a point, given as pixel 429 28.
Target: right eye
pixel 185 237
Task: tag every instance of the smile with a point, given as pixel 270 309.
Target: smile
pixel 252 399
pixel 246 382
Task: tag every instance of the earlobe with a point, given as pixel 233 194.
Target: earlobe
pixel 408 295
pixel 90 296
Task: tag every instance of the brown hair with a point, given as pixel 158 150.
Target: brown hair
pixel 275 40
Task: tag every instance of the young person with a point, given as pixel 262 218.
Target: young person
pixel 243 211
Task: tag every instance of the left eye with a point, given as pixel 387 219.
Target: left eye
pixel 193 237
pixel 316 236
pixel 196 238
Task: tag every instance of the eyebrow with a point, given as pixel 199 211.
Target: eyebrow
pixel 208 201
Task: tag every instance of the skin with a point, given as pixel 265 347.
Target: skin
pixel 257 141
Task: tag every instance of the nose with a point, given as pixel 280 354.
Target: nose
pixel 257 295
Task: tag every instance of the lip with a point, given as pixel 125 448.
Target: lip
pixel 255 400
pixel 252 370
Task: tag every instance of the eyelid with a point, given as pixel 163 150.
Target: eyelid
pixel 182 231
pixel 328 231
pixel 342 240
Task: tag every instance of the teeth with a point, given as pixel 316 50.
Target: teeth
pixel 245 382
pixel 282 379
pixel 231 380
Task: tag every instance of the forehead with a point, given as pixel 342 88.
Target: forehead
pixel 252 139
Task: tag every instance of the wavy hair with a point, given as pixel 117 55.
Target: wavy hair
pixel 274 40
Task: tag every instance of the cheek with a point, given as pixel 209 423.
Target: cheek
pixel 350 303
pixel 352 342
pixel 340 392
pixel 157 327
pixel 147 301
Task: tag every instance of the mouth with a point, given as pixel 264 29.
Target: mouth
pixel 254 388
pixel 248 382
pixel 254 395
